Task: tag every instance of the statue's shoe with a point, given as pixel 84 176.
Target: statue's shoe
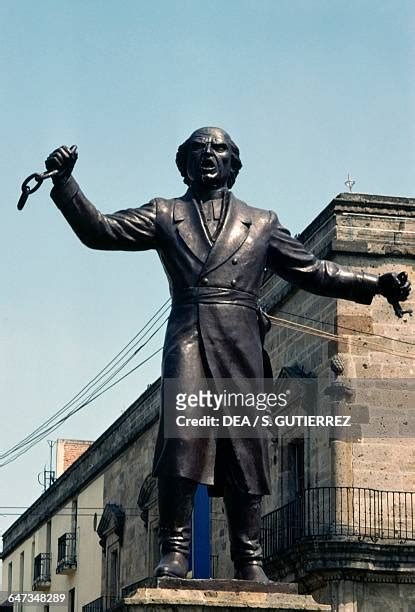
pixel 172 565
pixel 252 572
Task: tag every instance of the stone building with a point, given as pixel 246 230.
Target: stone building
pixel 53 546
pixel 341 518
pixel 344 527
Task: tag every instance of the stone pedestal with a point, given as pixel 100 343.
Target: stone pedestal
pixel 170 594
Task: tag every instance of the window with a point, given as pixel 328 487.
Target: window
pixel 156 544
pixel 296 466
pixel 147 502
pixel 113 574
pixel 110 531
pixel 71 600
pixel 49 537
pixel 10 577
pixel 74 517
pixel 32 568
pixel 154 556
pixel 292 469
pixel 21 577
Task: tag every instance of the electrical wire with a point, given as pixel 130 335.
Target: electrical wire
pixel 55 426
pixel 334 325
pixel 139 336
pixel 329 336
pixel 43 430
pixel 42 434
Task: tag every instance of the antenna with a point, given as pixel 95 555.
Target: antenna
pixel 49 476
pixel 350 183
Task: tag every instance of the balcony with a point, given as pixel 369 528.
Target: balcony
pixel 41 572
pixel 66 554
pixel 102 604
pixel 340 529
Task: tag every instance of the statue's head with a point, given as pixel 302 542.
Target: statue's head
pixel 209 159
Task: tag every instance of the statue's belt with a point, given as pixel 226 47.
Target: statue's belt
pixel 215 295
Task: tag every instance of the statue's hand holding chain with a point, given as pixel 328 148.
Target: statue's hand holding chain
pixel 62 159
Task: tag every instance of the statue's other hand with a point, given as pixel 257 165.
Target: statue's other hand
pixel 394 287
pixel 62 159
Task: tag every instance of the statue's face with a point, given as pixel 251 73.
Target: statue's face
pixel 209 158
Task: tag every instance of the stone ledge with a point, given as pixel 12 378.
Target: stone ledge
pixel 211 584
pixel 216 595
pixel 313 561
pixel 366 247
pixel 158 600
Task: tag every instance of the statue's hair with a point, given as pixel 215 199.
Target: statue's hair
pixel 181 161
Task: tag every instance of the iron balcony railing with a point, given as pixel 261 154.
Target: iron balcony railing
pixel 41 571
pixel 329 512
pixel 66 553
pixel 102 604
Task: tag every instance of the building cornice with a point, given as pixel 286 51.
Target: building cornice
pixel 360 203
pixel 352 224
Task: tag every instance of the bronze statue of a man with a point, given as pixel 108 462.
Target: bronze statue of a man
pixel 214 249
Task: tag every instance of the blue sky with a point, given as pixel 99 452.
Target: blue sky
pixel 309 90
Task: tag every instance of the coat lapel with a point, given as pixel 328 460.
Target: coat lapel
pixel 233 234
pixel 190 228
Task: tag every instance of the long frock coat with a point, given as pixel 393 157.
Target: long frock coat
pixel 213 329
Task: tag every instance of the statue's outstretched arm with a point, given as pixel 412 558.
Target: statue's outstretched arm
pixel 289 258
pixel 126 230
